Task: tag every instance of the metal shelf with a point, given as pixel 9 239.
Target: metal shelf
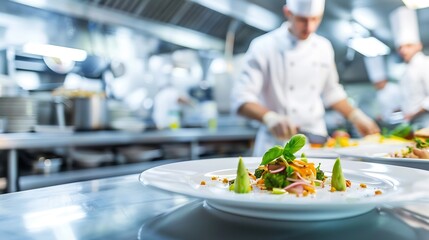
pixel 192 138
pixel 40 180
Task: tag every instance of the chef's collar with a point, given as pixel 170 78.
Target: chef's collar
pixel 291 37
pixel 416 58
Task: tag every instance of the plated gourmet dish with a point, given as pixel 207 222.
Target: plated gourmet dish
pixel 280 172
pixel 419 150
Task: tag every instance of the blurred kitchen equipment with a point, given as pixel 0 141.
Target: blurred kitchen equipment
pixel 54 129
pixel 203 91
pixel 209 114
pixel 90 113
pixel 3 124
pixel 121 117
pixel 20 112
pixel 118 109
pixel 93 67
pixel 91 158
pixel 102 69
pixel 140 153
pixel 87 109
pixel 46 73
pixel 60 111
pixel 117 68
pixel 47 165
pixel 130 124
pixel 5 64
pixel 59 65
pixel 8 86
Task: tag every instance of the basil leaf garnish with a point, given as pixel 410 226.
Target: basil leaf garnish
pixel 272 154
pixel 295 143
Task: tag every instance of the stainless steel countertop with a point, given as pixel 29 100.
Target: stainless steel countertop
pixel 191 136
pixel 122 208
pixel 41 140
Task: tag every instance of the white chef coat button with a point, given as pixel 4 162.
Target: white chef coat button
pixel 291 64
pixel 314 64
pixel 291 88
pixel 312 87
pixel 294 110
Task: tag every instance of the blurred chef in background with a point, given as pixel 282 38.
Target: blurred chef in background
pixel 388 93
pixel 415 81
pixel 167 104
pixel 289 77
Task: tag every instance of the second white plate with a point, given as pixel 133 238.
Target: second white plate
pixel 379 154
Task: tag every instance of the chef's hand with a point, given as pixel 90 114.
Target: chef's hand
pixel 279 125
pixel 363 123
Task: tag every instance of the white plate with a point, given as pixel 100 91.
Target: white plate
pixel 379 154
pixel 397 184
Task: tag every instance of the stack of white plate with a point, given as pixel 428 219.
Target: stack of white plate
pixel 118 109
pixel 20 113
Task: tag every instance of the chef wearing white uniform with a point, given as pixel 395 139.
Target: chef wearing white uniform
pixel 388 93
pixel 415 81
pixel 289 77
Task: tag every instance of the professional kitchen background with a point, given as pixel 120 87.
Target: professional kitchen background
pixel 131 49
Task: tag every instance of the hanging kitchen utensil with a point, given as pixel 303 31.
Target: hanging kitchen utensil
pixel 59 65
pixel 93 67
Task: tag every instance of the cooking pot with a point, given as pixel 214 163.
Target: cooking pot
pixel 84 110
pixel 90 113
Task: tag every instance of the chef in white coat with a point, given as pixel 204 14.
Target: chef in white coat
pixel 415 81
pixel 389 96
pixel 289 77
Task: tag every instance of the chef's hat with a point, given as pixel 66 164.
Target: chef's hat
pixel 306 8
pixel 375 68
pixel 404 26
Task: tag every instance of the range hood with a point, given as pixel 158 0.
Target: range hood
pixel 197 24
pixel 230 25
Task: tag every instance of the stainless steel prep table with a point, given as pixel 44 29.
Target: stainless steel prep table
pixel 192 136
pixel 122 208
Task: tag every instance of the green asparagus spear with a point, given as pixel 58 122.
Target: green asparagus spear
pixel 242 181
pixel 338 181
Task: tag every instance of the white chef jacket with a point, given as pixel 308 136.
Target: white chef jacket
pixel 415 84
pixel 297 78
pixel 415 89
pixel 389 99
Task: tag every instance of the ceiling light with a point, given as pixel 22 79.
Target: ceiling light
pixel 369 47
pixel 55 51
pixel 415 4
